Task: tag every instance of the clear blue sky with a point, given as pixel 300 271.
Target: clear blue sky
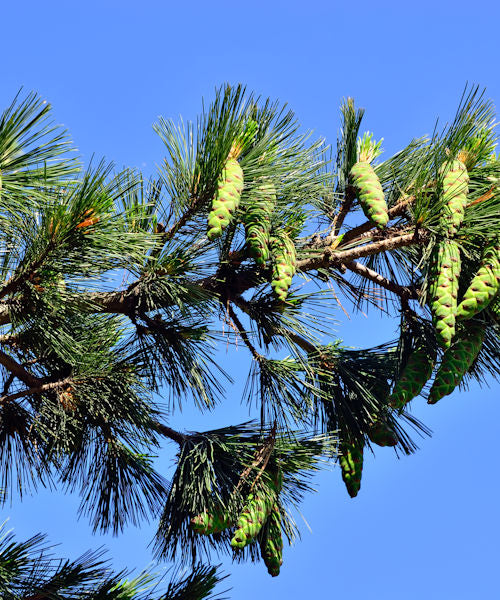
pixel 425 525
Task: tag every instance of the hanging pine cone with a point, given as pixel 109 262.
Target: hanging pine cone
pixel 271 544
pixel 414 376
pixel 351 463
pixel 284 264
pixel 443 290
pixel 380 433
pixel 226 199
pixel 456 362
pixel 253 517
pixel 455 187
pixel 257 221
pixel 208 523
pixel 484 286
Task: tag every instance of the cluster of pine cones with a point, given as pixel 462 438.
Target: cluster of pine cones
pixel 263 244
pixel 460 349
pixel 260 520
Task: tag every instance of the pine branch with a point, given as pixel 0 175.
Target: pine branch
pixel 339 218
pixel 331 258
pixel 166 431
pixel 39 389
pixel 402 291
pixel 356 232
pixel 243 334
pixel 19 371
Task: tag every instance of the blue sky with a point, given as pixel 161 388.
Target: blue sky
pixel 425 525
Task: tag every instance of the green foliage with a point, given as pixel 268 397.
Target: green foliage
pixel 112 293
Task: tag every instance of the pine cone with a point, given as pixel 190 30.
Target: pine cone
pixel 414 376
pixel 456 362
pixel 454 195
pixel 443 290
pixel 351 463
pixel 284 264
pixel 271 545
pixel 370 193
pixel 227 198
pixel 381 434
pixel 484 286
pixel 257 221
pixel 208 523
pixel 252 518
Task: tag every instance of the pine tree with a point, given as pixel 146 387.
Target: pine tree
pixel 112 295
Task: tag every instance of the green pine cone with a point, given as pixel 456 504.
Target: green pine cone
pixel 351 463
pixel 484 286
pixel 257 221
pixel 227 198
pixel 284 264
pixel 271 545
pixel 370 193
pixel 252 518
pixel 454 195
pixel 208 523
pixel 443 290
pixel 381 434
pixel 456 362
pixel 414 376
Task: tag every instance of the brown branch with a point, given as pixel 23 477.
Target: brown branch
pixel 38 389
pixel 240 279
pixel 334 259
pixel 167 431
pixel 339 218
pixel 18 370
pixel 364 271
pixel 393 212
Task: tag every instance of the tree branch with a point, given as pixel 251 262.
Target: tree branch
pixel 331 258
pixel 166 431
pixel 38 389
pixel 396 211
pixel 18 370
pixel 243 334
pixel 364 271
pixel 125 302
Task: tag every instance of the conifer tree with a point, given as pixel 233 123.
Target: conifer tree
pixel 114 300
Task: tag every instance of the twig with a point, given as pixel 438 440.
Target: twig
pixel 39 389
pixel 339 218
pixel 243 333
pixel 366 272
